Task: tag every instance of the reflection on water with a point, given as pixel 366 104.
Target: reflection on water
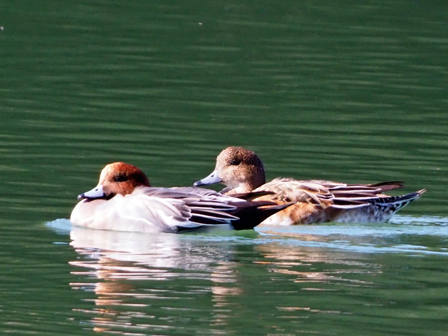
pixel 320 276
pixel 153 282
pixel 283 259
pixel 353 91
pixel 121 268
pixel 153 250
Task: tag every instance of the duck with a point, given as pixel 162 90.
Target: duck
pixel 315 201
pixel 124 200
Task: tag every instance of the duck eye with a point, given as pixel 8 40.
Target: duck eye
pixel 235 162
pixel 120 178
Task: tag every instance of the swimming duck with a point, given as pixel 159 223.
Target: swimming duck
pixel 124 200
pixel 316 201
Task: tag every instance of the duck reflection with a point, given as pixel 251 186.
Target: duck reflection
pixel 137 276
pixel 157 282
pixel 329 266
pixel 317 259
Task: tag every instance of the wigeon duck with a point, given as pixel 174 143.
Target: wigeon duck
pixel 316 201
pixel 124 200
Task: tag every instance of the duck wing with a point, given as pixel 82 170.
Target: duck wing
pixel 291 190
pixel 190 208
pixel 243 212
pixel 183 208
pixel 335 194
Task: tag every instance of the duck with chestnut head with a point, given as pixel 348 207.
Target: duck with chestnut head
pixel 124 200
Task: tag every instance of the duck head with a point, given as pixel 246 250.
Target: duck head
pixel 240 169
pixel 117 178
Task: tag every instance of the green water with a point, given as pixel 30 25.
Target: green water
pixel 347 91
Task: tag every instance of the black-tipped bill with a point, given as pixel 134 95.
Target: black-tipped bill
pixel 96 192
pixel 211 179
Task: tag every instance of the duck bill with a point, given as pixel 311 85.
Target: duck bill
pixel 96 192
pixel 211 179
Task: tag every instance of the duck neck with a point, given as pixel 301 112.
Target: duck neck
pixel 248 183
pixel 240 189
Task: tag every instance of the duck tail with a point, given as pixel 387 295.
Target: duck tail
pixel 395 203
pixel 386 186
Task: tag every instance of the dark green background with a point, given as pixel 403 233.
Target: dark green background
pixel 351 91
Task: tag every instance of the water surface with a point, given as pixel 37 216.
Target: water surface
pixel 353 91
